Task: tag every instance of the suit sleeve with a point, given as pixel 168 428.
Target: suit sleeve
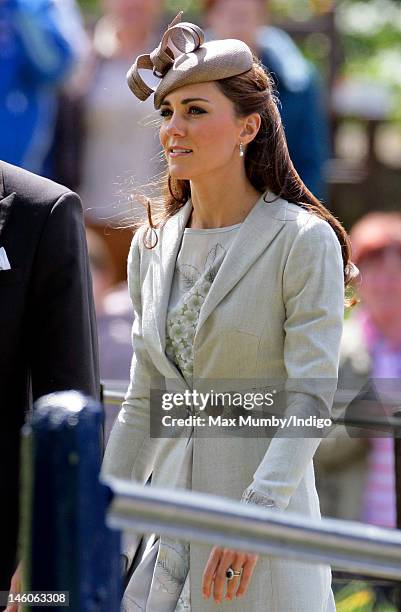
pixel 131 452
pixel 313 292
pixel 62 338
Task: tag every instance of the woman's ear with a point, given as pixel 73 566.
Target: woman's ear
pixel 250 128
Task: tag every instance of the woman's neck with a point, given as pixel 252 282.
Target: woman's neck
pixel 223 202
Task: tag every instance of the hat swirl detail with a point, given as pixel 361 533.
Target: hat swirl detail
pixel 179 38
pixel 184 58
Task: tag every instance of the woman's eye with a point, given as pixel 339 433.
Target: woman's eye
pixel 195 110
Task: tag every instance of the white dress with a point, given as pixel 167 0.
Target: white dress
pixel 161 580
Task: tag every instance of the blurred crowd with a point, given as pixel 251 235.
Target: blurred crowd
pixel 66 113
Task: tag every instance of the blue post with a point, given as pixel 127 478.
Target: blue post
pixel 65 543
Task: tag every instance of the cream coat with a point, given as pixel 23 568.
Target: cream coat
pixel 275 310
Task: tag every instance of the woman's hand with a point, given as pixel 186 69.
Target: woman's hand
pixel 15 588
pixel 214 575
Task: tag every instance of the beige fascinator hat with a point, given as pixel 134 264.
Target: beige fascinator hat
pixel 183 58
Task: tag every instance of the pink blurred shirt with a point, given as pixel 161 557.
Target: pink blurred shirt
pixel 379 500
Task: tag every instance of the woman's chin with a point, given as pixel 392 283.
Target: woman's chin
pixel 179 174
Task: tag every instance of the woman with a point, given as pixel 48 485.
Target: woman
pixel 230 283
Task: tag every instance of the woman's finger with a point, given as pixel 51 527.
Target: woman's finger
pixel 220 579
pixel 209 571
pixel 247 572
pixel 232 584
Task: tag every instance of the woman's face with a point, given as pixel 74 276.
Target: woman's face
pixel 200 132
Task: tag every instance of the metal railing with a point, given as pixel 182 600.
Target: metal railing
pixel 204 518
pixel 113 397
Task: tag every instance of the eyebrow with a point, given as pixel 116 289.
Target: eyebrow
pixel 187 101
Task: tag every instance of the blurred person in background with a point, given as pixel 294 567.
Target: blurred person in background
pixel 355 476
pixel 111 149
pixel 114 316
pixel 371 349
pixel 36 55
pixel 302 104
pixel 376 326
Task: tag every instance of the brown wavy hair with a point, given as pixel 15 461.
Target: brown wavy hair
pixel 267 162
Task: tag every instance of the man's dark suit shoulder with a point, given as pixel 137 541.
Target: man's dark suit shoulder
pixel 36 190
pixel 34 209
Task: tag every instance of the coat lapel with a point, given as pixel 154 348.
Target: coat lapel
pixel 167 251
pixel 164 259
pixel 260 227
pixel 5 204
pixel 262 224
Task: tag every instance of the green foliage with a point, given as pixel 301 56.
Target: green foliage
pixel 357 596
pixel 371 33
pixel 89 7
pixel 192 6
pixel 370 38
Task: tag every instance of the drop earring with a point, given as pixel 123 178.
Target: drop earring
pixel 241 149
